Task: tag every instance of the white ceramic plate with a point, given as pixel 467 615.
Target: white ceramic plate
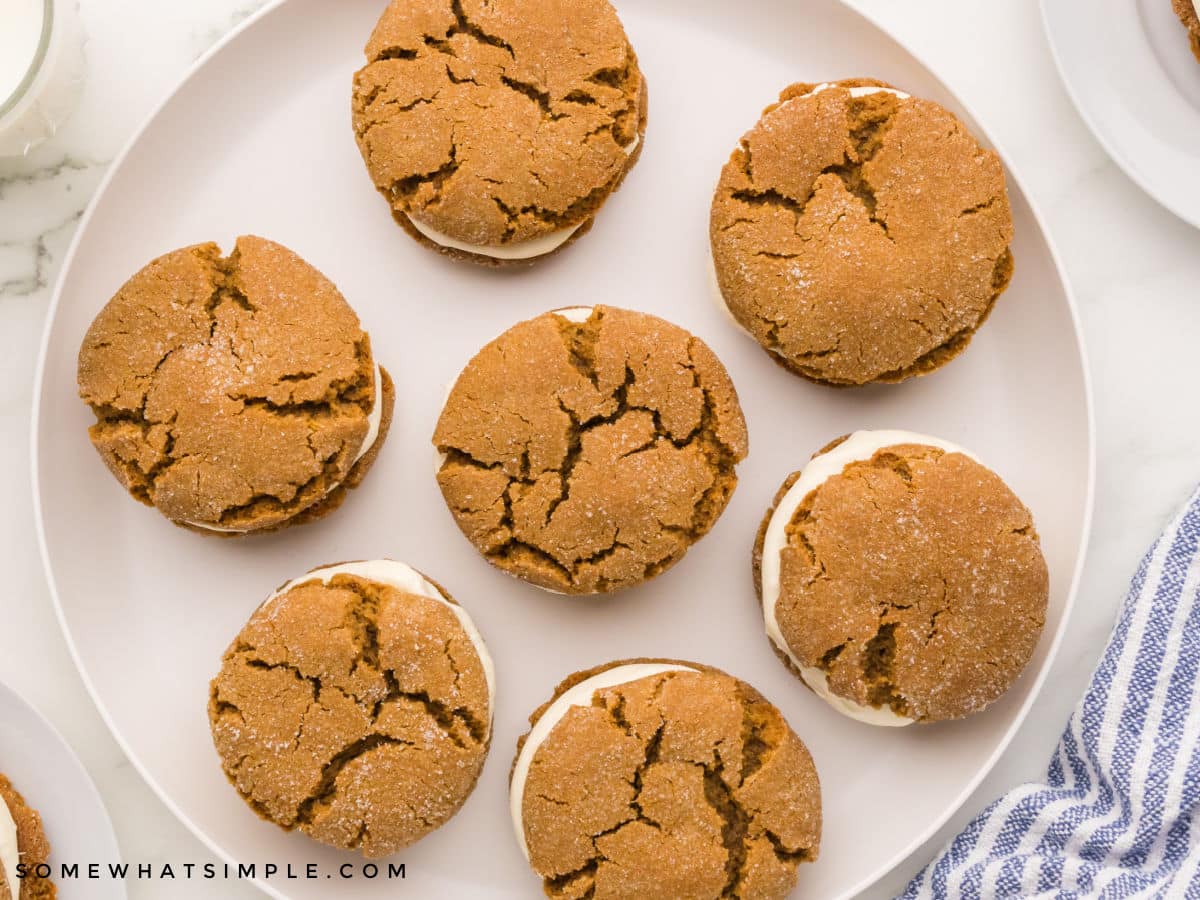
pixel 44 769
pixel 258 140
pixel 1128 67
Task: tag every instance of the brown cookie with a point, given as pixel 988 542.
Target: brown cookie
pixel 1186 10
pixel 234 394
pixel 859 234
pixel 900 579
pixel 587 449
pixel 496 129
pixel 32 846
pixel 659 778
pixel 356 706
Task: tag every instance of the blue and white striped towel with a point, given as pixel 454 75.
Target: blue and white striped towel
pixel 1118 814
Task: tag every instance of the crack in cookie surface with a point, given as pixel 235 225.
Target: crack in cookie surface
pixel 354 712
pixel 498 122
pixel 915 582
pixel 679 784
pixel 861 238
pixel 588 456
pixel 229 391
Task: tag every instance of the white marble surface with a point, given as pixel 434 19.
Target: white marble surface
pixel 1134 268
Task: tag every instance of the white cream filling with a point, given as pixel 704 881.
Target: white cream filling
pixel 374 417
pixel 10 854
pixel 405 578
pixel 575 313
pixel 530 249
pixel 859 447
pixel 374 420
pixel 860 91
pixel 580 695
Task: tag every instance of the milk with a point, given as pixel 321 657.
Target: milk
pixel 41 70
pixel 20 34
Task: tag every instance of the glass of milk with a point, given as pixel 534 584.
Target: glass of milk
pixel 41 70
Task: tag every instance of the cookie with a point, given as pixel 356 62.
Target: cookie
pixel 22 842
pixel 900 579
pixel 658 778
pixel 1190 17
pixel 356 707
pixel 587 449
pixel 496 129
pixel 860 234
pixel 234 394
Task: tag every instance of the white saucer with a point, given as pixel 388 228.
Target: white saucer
pixel 44 770
pixel 1131 73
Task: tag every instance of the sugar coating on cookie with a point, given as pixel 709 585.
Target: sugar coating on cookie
pixel 22 840
pixel 497 128
pixel 860 234
pixel 661 778
pixel 234 394
pixel 356 706
pixel 901 580
pixel 10 852
pixel 586 450
pixel 1189 15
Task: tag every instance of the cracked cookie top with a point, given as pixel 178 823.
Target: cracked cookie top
pixel 658 778
pixel 586 450
pixel 904 583
pixel 495 123
pixel 29 846
pixel 232 393
pixel 860 234
pixel 355 706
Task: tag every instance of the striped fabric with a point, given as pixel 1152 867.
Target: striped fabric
pixel 1118 814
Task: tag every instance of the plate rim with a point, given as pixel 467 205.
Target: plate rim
pixel 110 832
pixel 1076 576
pixel 1039 681
pixel 1114 152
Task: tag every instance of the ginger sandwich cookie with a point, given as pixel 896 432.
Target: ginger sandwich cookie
pixel 861 234
pixel 496 129
pixel 901 580
pixel 1189 15
pixel 356 707
pixel 22 841
pixel 660 778
pixel 587 449
pixel 234 394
